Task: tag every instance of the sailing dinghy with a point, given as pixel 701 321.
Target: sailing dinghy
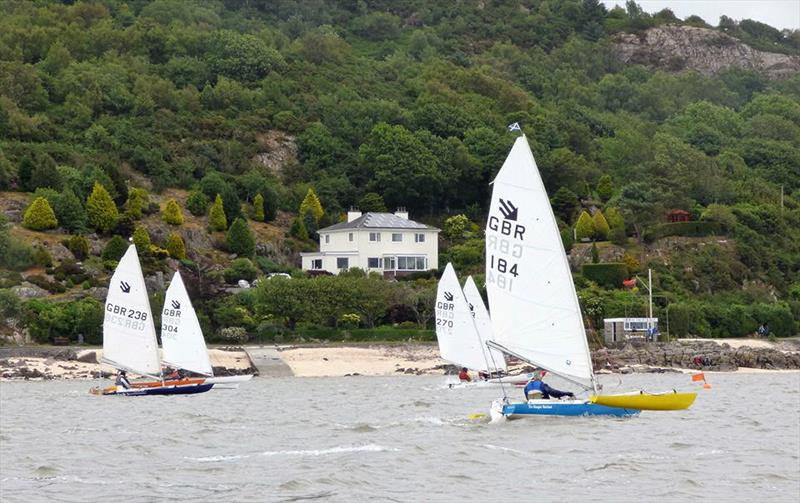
pixel 184 346
pixel 534 307
pixel 463 328
pixel 129 336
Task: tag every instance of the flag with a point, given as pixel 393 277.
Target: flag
pixel 514 127
pixel 699 377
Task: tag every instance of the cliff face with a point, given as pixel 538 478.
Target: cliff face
pixel 706 51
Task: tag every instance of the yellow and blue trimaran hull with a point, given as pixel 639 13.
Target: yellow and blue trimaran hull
pixel 646 401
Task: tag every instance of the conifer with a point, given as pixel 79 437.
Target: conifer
pixel 585 226
pixel 141 239
pixel 605 188
pixel 240 239
pixel 197 203
pixel 312 204
pixel 138 201
pixel 39 215
pixel 175 246
pixel 172 213
pixel 601 228
pixel 216 216
pixel 101 210
pixel 258 208
pixel 70 212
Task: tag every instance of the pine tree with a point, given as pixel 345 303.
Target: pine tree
pixel 70 212
pixel 172 213
pixel 372 202
pixel 595 254
pixel 312 204
pixel 101 210
pixel 298 229
pixel 605 188
pixel 142 240
pixel 138 201
pixel 585 226
pixel 614 218
pixel 216 217
pixel 175 246
pixel 115 248
pixel 197 203
pixel 601 228
pixel 240 239
pixel 258 208
pixel 40 215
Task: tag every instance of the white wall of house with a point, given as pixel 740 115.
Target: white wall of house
pixel 393 250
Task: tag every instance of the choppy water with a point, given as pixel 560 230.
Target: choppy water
pixel 394 439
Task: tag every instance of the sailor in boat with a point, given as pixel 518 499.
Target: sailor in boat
pixel 537 388
pixel 122 380
pixel 483 375
pixel 463 376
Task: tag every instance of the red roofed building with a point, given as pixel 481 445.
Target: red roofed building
pixel 678 216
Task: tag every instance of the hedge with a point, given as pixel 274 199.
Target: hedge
pixel 688 229
pixel 609 275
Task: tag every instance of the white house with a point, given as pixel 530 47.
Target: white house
pixel 385 242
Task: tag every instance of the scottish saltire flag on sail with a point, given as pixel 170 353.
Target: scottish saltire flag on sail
pixel 514 127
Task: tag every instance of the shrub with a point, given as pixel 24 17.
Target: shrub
pixel 455 227
pixel 258 208
pixel 175 246
pixel 720 214
pixel 101 210
pixel 241 268
pixel 39 215
pixel 689 229
pixel 595 254
pixel 115 249
pixel 172 213
pixel 584 229
pixel 70 212
pixel 237 335
pixel 240 239
pixel 9 304
pixel 298 229
pixel 566 239
pixel 41 256
pixel 601 228
pixel 138 202
pixel 157 252
pixel 43 282
pixel 78 245
pixel 216 217
pixel 605 188
pixel 618 236
pixel 197 203
pixel 141 238
pixel 609 275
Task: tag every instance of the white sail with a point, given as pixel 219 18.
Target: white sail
pixel 532 300
pixel 181 335
pixel 483 324
pixel 129 336
pixel 455 329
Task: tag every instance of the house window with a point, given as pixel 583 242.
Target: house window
pixel 411 263
pixel 397 237
pixel 419 238
pixel 342 262
pixel 327 238
pixel 316 264
pixel 389 264
pixel 375 236
pixel 350 237
pixel 374 262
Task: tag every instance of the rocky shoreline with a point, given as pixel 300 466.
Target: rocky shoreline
pixel 729 355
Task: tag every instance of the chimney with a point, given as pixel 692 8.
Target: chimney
pixel 352 214
pixel 402 212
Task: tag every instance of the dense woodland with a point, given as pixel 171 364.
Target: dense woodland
pixel 149 118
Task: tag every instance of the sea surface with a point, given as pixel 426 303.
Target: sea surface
pixel 405 438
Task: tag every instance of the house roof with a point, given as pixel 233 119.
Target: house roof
pixel 378 221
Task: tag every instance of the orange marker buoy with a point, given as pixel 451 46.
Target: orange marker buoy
pixel 706 386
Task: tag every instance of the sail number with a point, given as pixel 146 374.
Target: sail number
pixel 125 312
pixel 444 314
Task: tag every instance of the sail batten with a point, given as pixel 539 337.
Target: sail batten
pixel 181 334
pixel 129 336
pixel 534 309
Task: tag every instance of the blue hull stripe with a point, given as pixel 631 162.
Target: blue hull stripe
pixel 566 409
pixel 176 390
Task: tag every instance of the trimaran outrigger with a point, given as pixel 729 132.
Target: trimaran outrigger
pixel 534 307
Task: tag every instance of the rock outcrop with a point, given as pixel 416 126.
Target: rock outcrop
pixel 706 51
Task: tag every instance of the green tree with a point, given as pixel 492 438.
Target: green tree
pixel 564 202
pixel 216 217
pixel 138 201
pixel 312 205
pixel 605 188
pixel 101 210
pixel 601 228
pixel 175 246
pixel 115 248
pixel 39 215
pixel 240 239
pixel 372 202
pixel 69 211
pixel 258 208
pixel 197 203
pixel 172 213
pixel 141 238
pixel 298 229
pixel 455 227
pixel 79 246
pixel 584 229
pixel 595 254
